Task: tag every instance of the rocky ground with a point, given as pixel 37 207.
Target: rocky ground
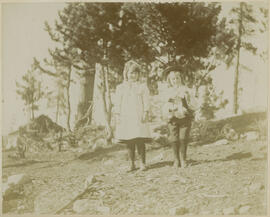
pixel 221 179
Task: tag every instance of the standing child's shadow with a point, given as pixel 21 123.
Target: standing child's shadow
pixel 160 165
pixel 190 162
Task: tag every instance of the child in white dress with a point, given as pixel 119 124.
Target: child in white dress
pixel 132 107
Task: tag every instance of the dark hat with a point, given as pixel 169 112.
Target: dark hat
pixel 176 68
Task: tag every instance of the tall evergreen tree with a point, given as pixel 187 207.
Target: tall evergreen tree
pixel 62 60
pixel 31 91
pixel 243 24
pixel 186 34
pixel 82 27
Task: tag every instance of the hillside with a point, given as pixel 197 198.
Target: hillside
pixel 221 179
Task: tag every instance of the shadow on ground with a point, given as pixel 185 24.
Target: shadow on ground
pixel 25 163
pixel 235 156
pixel 160 164
pixel 190 162
pixel 100 153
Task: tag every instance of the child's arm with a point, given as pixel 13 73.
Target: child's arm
pixel 118 99
pixel 191 100
pixel 194 104
pixel 118 102
pixel 146 102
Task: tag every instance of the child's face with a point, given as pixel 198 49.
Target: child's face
pixel 132 75
pixel 174 79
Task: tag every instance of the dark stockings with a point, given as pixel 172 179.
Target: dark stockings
pixel 141 151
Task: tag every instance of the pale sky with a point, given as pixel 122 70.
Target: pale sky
pixel 23 37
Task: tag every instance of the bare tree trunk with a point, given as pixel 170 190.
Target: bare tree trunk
pixel 107 104
pixel 68 98
pixel 57 107
pixel 86 96
pixel 235 94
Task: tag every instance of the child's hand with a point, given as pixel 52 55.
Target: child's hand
pixel 168 111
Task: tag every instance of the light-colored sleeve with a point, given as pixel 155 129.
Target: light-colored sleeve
pixel 118 98
pixel 146 98
pixel 192 101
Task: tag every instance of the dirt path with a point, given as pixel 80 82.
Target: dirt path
pixel 220 179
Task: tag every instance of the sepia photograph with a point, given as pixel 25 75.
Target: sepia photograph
pixel 135 108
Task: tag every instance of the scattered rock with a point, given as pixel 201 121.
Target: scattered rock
pixel 81 206
pixel 6 189
pixel 81 142
pixel 256 187
pixel 21 207
pixel 104 209
pixel 234 172
pixel 206 212
pixel 91 179
pixel 100 174
pixel 150 179
pixel 233 135
pixel 218 212
pixel 10 145
pixel 221 142
pixel 156 135
pixel 45 203
pixel 178 211
pixel 108 162
pixel 174 178
pixel 199 187
pixel 159 157
pixel 131 210
pixel 229 211
pixel 99 144
pixel 95 147
pixel 9 205
pixel 19 179
pixel 79 150
pixel 229 133
pixel 102 193
pixel 252 135
pixel 244 209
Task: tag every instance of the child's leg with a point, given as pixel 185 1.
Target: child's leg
pixel 141 151
pixel 183 137
pixel 131 152
pixel 186 139
pixel 174 140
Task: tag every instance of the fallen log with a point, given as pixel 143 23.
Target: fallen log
pixel 87 190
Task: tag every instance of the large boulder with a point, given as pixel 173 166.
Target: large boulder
pixel 18 179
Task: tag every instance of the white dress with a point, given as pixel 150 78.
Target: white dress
pixel 132 99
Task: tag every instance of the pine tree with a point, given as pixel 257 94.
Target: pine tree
pixel 31 91
pixel 56 99
pixel 185 36
pixel 82 27
pixel 62 61
pixel 244 27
